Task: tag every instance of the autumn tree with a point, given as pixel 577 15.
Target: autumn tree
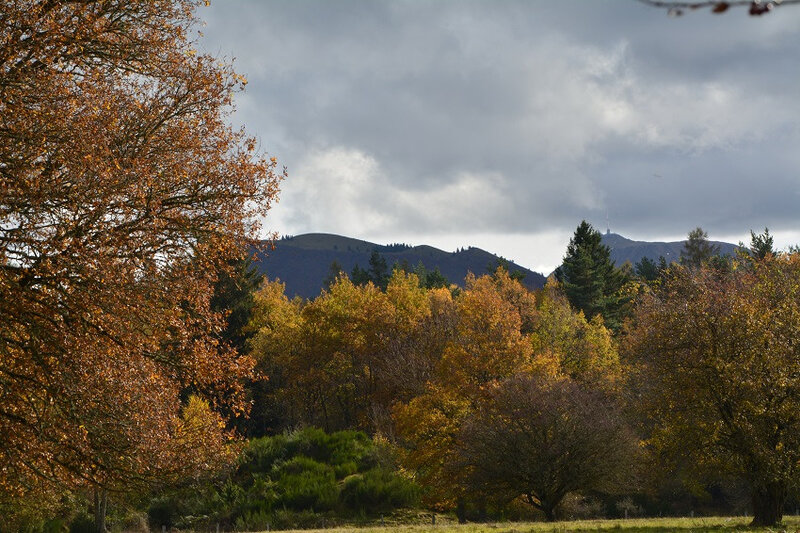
pixel 277 331
pixel 580 349
pixel 719 369
pixel 487 345
pixel 591 281
pixel 338 357
pixel 123 193
pixel 501 332
pixel 541 439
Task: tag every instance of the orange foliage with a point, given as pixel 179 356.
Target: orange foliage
pixel 122 193
pixel 500 332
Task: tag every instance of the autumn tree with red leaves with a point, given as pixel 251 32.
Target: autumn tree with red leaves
pixel 123 194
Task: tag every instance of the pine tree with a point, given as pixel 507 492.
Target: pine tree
pixel 233 296
pixel 591 281
pixel 335 270
pixel 761 245
pixel 697 250
pixel 379 270
pixel 648 270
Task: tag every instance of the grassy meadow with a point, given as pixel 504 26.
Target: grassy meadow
pixel 634 525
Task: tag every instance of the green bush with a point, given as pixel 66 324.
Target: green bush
pixel 82 523
pixel 345 469
pixel 300 479
pixel 254 521
pixel 163 512
pixel 377 490
pixel 304 483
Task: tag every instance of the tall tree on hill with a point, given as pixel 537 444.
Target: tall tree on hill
pixel 359 276
pixel 429 279
pixel 591 281
pixel 697 250
pixel 646 269
pixel 761 244
pixel 379 272
pixel 335 271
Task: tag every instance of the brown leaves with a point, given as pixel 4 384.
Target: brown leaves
pixel 719 368
pixel 122 192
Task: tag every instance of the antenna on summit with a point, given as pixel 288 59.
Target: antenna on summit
pixel 608 226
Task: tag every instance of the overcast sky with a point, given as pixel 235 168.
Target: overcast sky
pixel 503 124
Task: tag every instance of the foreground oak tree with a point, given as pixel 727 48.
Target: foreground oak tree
pixel 719 365
pixel 123 192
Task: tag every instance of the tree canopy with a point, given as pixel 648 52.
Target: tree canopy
pixel 761 244
pixel 718 356
pixel 123 193
pixel 542 439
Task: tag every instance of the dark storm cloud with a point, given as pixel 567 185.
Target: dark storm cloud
pixel 519 117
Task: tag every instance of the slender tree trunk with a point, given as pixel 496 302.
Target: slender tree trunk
pixel 461 511
pixel 768 501
pixel 100 502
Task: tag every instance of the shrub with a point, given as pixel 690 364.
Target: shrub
pixel 378 490
pixel 304 483
pixel 298 479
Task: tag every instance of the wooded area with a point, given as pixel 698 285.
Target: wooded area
pixel 146 369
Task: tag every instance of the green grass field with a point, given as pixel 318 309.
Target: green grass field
pixel 642 525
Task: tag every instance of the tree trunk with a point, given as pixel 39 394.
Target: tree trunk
pixel 768 501
pixel 461 511
pixel 100 501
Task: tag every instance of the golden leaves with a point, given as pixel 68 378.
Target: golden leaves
pixel 123 192
pixel 715 350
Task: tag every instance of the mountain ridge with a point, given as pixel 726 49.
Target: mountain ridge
pixel 624 249
pixel 303 262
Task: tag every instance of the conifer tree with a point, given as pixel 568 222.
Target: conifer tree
pixel 761 245
pixel 591 281
pixel 697 250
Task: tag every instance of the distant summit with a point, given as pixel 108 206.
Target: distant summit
pixel 303 262
pixel 623 249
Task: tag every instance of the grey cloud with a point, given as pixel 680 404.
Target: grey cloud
pixel 566 110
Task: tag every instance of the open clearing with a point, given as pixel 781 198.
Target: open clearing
pixel 644 525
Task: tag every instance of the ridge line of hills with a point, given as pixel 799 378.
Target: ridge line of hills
pixel 303 262
pixel 624 249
